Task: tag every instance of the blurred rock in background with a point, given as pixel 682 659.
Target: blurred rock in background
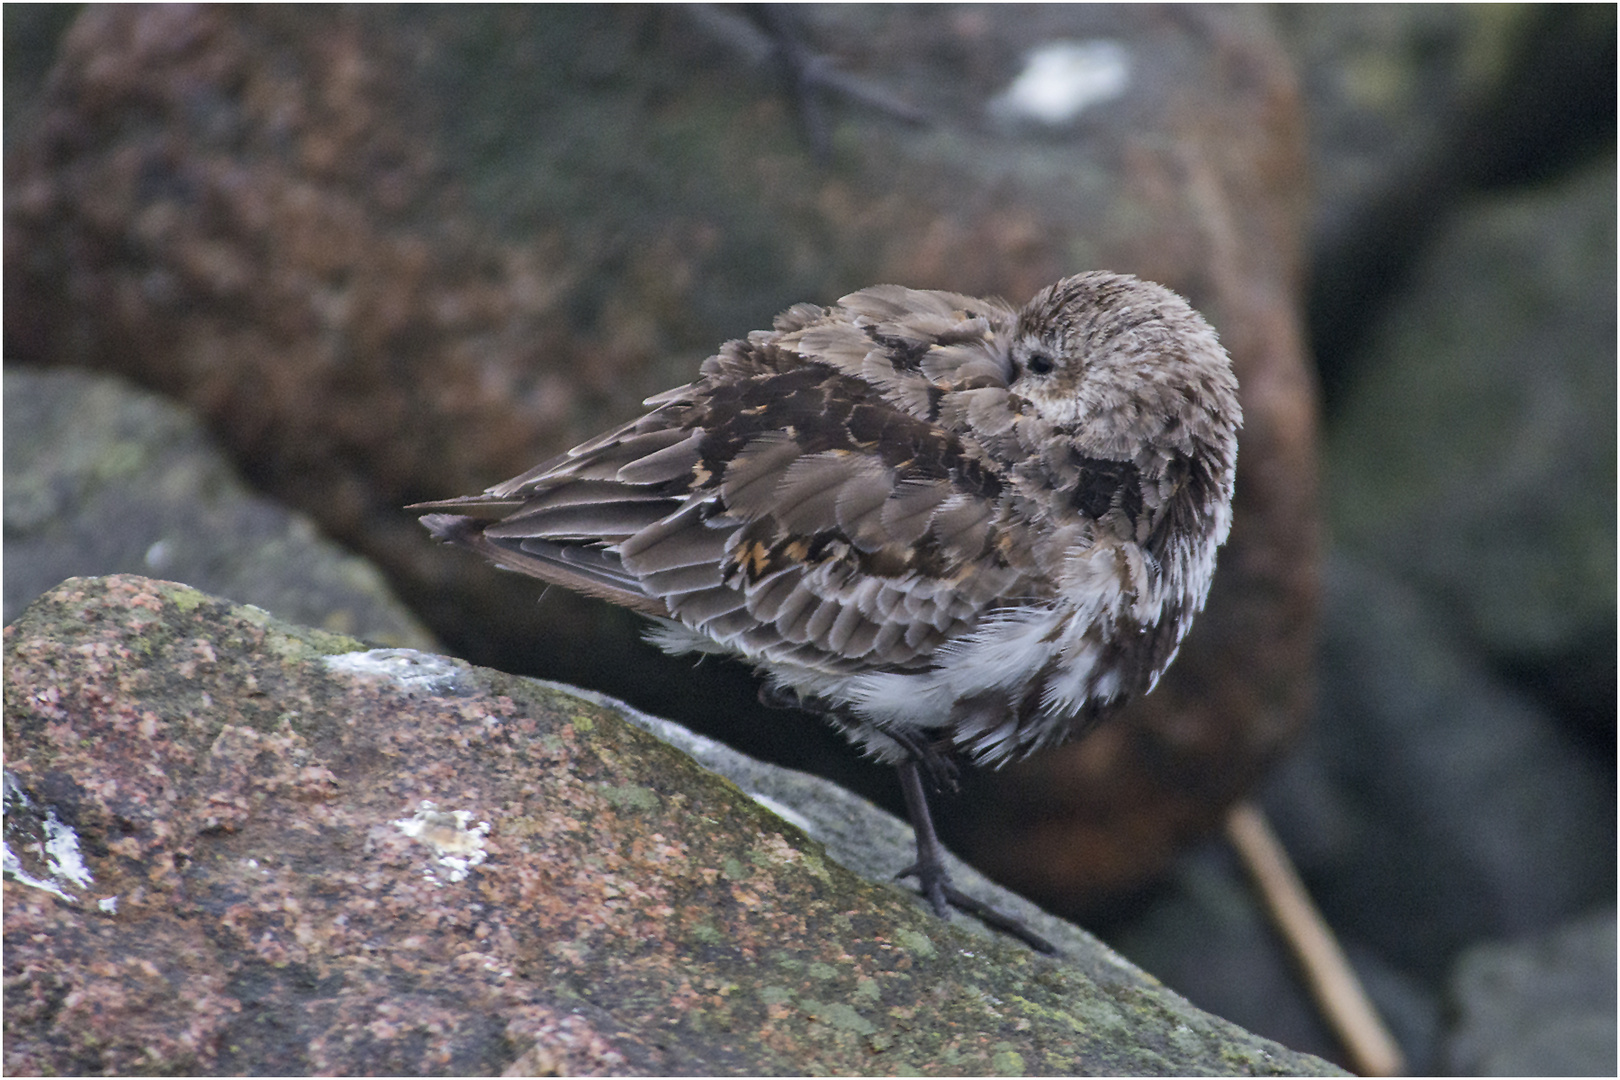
pixel 103 478
pixel 1415 107
pixel 1457 783
pixel 1467 456
pixel 398 254
pixel 392 254
pixel 1541 1006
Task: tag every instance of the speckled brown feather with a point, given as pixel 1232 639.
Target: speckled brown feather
pixel 911 485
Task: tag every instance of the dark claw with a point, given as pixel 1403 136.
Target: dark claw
pixel 942 896
pixel 934 881
pixel 996 920
pixel 932 887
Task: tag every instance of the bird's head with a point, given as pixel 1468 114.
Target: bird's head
pixel 1121 365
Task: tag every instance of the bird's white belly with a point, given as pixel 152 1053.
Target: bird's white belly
pixel 1003 655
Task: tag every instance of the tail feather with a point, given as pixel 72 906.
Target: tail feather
pixel 593 570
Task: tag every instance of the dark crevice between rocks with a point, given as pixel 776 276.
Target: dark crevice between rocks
pixel 1551 113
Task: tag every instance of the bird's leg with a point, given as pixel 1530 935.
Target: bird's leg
pixel 927 756
pixel 935 880
pixel 929 869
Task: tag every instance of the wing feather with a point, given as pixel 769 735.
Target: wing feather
pixel 859 506
pixel 682 539
pixel 752 477
pixel 800 502
pixel 547 565
pixel 697 608
pixel 673 462
pixel 582 521
pixel 909 510
pixel 682 579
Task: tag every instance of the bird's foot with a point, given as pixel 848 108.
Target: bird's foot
pixel 934 881
pixel 935 885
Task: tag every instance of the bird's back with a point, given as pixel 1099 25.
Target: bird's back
pixel 858 503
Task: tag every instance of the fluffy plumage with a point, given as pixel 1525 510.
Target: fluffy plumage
pixel 919 510
pixel 935 519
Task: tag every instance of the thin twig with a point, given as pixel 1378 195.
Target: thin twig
pixel 1333 983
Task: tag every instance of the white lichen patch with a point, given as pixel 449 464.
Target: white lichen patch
pixel 1062 79
pixel 457 847
pixel 40 833
pixel 412 671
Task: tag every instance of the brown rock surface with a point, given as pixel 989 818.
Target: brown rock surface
pixel 239 846
pixel 397 254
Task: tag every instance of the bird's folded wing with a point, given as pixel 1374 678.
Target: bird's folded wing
pixel 800 502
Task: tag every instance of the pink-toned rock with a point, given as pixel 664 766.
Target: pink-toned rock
pixel 393 255
pixel 239 846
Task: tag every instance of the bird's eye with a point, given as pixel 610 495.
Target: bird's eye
pixel 1039 364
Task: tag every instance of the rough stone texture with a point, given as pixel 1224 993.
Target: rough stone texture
pixel 396 254
pixel 1538 1007
pixel 1416 107
pixel 858 835
pixel 1433 806
pixel 222 859
pixel 102 478
pixel 1506 514
pixel 1412 108
pixel 1204 934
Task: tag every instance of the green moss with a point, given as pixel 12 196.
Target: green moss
pixel 816 868
pixel 916 943
pixel 1101 1017
pixel 836 1014
pixel 185 598
pixel 1006 1061
pixel 630 797
pixel 1049 1015
pixel 775 995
